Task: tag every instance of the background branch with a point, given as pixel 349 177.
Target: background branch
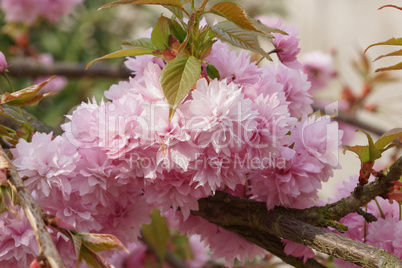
pixel 33 212
pixel 29 68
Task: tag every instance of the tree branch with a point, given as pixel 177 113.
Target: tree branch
pixel 251 220
pixel 29 68
pixel 33 212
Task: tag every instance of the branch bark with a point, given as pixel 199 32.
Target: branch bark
pixel 29 68
pixel 33 213
pixel 251 220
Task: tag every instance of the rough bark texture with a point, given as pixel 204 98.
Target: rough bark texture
pixel 251 220
pixel 33 212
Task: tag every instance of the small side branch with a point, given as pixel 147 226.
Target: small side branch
pixel 33 213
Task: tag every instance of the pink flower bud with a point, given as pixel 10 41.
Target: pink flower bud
pixel 3 62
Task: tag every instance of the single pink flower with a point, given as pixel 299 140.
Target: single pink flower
pixel 3 62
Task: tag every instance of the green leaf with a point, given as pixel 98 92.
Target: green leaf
pixel 177 30
pixel 13 114
pixel 77 241
pixel 178 78
pixel 234 13
pixel 101 242
pixel 93 259
pixel 175 3
pixel 264 28
pixel 143 43
pixel 395 53
pixel 175 10
pixel 183 248
pixel 231 33
pixel 390 42
pixel 387 138
pixel 391 68
pixel 160 33
pixel 123 53
pixel 213 72
pixel 157 234
pixel 366 153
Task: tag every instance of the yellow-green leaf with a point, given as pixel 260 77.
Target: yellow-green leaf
pixel 160 33
pixel 101 242
pixel 157 234
pixel 93 259
pixel 391 68
pixel 388 137
pixel 175 3
pixel 234 13
pixel 366 153
pixel 395 53
pixel 175 10
pixel 178 78
pixel 264 28
pixel 390 42
pixel 229 32
pixel 144 43
pixel 123 53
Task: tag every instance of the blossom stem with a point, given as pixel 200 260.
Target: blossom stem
pixel 8 80
pixel 379 208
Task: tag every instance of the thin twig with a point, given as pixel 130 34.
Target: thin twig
pixel 33 213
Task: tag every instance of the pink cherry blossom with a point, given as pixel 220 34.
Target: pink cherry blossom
pixel 3 62
pixel 319 68
pixel 286 46
pixel 18 244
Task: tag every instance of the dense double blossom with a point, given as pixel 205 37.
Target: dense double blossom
pixel 248 133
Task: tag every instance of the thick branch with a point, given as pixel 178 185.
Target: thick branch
pixel 28 68
pixel 250 219
pixel 33 213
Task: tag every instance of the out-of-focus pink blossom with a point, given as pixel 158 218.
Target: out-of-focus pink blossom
pixel 3 62
pixel 29 10
pixel 319 68
pixel 57 83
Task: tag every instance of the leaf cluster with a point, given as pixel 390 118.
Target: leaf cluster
pixel 184 45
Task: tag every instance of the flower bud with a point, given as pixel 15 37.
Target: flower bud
pixel 3 62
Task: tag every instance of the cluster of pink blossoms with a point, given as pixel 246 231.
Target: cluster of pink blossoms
pixel 28 11
pixel 249 134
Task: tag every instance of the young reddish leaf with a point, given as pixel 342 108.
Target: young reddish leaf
pixel 234 13
pixel 24 96
pixel 144 43
pixel 175 3
pixel 160 33
pixel 388 137
pixel 400 8
pixel 395 53
pixel 157 234
pixel 390 42
pixel 177 79
pixel 229 32
pixel 391 68
pixel 101 242
pixel 366 153
pixel 123 53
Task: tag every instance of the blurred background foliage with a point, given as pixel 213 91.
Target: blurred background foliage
pixel 83 35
